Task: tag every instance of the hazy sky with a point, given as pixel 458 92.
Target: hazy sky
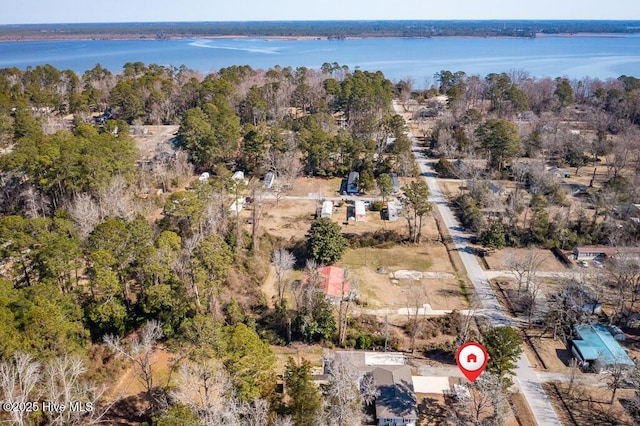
pixel 54 11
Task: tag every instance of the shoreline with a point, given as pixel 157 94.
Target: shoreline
pixel 132 37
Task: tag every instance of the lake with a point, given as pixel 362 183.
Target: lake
pixel 575 57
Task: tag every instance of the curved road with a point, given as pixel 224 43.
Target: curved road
pixel 526 377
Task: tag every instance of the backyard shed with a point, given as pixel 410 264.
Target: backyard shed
pixel 269 178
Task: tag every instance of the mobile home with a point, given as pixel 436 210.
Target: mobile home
pixel 361 214
pixel 352 183
pixel 327 209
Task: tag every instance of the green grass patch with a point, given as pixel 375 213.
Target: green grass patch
pixel 388 258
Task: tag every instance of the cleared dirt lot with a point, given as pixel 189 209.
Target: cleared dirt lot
pixel 151 140
pixel 499 260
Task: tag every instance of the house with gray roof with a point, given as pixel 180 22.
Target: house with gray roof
pixel 395 403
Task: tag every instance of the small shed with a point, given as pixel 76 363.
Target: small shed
pixel 361 214
pixel 237 205
pixel 327 209
pixel 269 179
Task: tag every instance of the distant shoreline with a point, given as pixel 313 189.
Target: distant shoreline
pixel 318 30
pixel 133 37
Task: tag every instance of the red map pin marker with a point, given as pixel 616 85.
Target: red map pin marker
pixel 472 358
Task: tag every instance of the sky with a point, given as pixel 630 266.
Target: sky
pixel 66 11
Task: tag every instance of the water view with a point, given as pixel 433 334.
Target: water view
pixel 575 57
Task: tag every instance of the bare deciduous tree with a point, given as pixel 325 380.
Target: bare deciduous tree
pixel 207 389
pixel 617 374
pixel 18 380
pixel 64 382
pixel 35 203
pixel 116 199
pixel 416 297
pixel 283 262
pixel 485 404
pixel 304 290
pixel 342 394
pixel 346 301
pixel 85 212
pixel 139 353
pixel 524 267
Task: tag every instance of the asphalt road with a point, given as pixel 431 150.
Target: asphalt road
pixel 526 377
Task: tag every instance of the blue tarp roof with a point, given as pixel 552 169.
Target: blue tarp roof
pixel 598 343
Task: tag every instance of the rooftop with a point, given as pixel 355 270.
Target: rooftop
pixel 332 281
pixel 396 399
pixel 598 344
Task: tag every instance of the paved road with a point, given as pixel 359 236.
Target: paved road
pixel 526 377
pixel 583 379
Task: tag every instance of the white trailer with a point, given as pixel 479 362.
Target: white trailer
pixel 361 214
pixel 327 209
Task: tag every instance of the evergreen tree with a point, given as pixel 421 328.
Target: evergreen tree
pixel 305 400
pixel 325 241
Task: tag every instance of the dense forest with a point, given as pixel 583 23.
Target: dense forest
pixel 330 29
pixel 105 255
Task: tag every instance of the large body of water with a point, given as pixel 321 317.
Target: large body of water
pixel 574 57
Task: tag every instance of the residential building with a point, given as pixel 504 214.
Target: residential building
pixel 395 403
pixel 333 282
pixel 327 209
pixel 352 183
pixel 601 252
pixel 361 214
pixel 597 348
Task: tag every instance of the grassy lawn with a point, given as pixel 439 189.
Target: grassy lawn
pixel 399 257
